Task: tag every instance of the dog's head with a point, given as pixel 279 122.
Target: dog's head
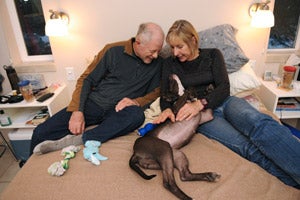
pixel 177 94
pixel 172 93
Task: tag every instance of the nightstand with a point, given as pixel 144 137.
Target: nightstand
pixel 24 111
pixel 269 94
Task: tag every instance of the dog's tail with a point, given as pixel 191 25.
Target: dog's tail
pixel 133 163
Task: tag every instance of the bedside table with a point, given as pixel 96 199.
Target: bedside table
pixel 23 111
pixel 269 94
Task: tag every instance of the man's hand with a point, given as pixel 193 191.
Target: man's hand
pixel 189 110
pixel 124 103
pixel 167 113
pixel 77 123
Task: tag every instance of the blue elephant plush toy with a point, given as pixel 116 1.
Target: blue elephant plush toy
pixel 91 152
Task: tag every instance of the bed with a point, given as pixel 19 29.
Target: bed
pixel 113 179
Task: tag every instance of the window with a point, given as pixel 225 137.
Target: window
pixel 285 35
pixel 32 42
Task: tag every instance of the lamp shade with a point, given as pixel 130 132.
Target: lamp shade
pixel 262 19
pixel 56 27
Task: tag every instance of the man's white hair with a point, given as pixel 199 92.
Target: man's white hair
pixel 147 30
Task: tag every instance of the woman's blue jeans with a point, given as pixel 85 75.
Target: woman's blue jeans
pixel 256 137
pixel 110 123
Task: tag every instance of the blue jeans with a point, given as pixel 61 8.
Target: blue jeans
pixel 256 137
pixel 110 123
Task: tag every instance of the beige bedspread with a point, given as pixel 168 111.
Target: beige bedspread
pixel 113 179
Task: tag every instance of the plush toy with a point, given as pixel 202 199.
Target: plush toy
pixel 148 127
pixel 91 152
pixel 59 168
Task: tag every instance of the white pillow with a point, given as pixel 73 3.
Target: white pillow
pixel 293 60
pixel 243 80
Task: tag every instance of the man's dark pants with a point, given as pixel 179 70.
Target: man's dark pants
pixel 110 124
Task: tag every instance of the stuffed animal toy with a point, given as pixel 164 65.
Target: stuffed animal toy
pixel 59 168
pixel 91 152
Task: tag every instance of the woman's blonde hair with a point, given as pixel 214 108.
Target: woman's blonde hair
pixel 184 30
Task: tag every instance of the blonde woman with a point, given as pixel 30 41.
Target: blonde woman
pixel 236 124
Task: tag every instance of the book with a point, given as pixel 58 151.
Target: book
pixel 288 104
pixel 39 118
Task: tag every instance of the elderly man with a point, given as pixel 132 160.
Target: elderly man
pixel 111 93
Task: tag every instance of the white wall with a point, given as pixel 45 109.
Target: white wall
pixel 93 23
pixel 4 60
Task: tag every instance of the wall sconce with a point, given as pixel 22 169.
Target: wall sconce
pixel 57 25
pixel 262 17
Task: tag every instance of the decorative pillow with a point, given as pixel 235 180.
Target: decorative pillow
pixel 243 80
pixel 223 38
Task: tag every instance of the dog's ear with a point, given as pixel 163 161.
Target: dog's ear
pixel 172 94
pixel 180 102
pixel 173 86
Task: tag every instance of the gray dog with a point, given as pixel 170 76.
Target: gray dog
pixel 159 149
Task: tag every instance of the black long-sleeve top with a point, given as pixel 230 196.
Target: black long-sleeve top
pixel 207 69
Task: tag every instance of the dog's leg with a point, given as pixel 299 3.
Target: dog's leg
pixel 167 164
pixel 134 162
pixel 206 115
pixel 153 153
pixel 182 164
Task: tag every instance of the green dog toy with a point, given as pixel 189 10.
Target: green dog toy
pixel 59 168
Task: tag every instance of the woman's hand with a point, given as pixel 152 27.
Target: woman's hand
pixel 77 123
pixel 167 113
pixel 189 110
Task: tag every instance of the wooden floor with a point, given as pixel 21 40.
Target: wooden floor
pixel 9 167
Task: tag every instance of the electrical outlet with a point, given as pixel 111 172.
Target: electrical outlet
pixel 70 73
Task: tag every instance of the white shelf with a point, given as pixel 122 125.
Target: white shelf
pixel 279 91
pixel 269 93
pixel 24 104
pixel 24 111
pixel 19 117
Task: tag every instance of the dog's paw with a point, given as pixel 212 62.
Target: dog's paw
pixel 212 176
